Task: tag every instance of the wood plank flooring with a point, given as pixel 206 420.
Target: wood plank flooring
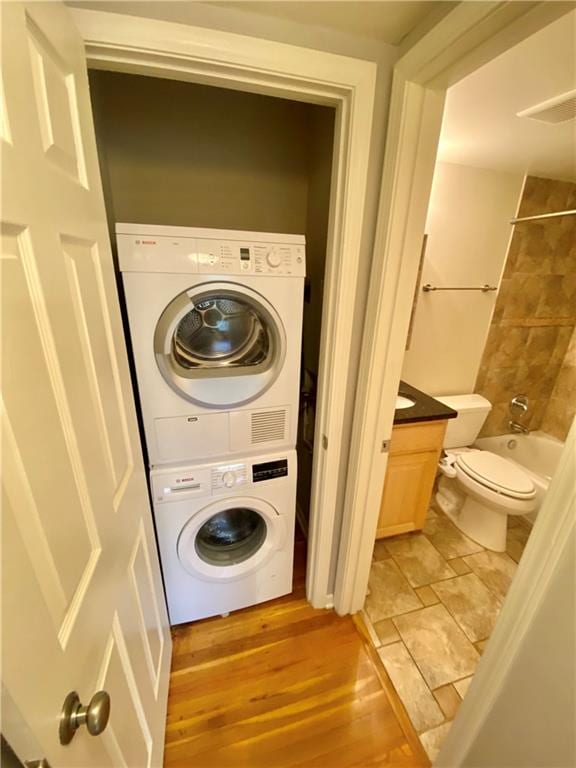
pixel 283 684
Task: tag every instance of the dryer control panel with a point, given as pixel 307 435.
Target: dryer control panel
pixel 211 252
pixel 232 257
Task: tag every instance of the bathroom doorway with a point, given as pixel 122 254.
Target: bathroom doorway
pixel 493 316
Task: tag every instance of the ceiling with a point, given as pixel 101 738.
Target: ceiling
pixel 481 127
pixel 388 22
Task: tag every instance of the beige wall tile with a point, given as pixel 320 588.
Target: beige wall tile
pixel 539 286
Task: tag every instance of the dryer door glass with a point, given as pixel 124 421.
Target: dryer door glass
pixel 213 333
pixel 231 536
pixel 222 331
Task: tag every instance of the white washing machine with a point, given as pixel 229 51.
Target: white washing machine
pixel 216 323
pixel 226 533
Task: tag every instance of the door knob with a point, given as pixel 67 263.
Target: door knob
pixel 95 716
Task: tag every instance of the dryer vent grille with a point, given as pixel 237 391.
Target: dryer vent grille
pixel 268 426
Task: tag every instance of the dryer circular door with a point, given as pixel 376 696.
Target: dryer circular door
pixel 220 344
pixel 230 539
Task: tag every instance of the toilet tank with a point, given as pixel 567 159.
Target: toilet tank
pixel 465 428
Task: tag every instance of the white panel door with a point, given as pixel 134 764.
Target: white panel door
pixel 83 607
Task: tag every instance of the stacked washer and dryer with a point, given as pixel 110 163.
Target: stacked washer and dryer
pixel 215 322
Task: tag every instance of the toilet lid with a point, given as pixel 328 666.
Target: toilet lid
pixel 498 473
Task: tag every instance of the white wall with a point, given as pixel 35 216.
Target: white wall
pixel 469 231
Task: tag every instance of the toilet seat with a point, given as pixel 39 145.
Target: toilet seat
pixel 496 473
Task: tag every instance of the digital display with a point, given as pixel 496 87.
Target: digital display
pixel 269 470
pixel 244 254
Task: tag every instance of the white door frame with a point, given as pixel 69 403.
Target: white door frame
pixel 200 55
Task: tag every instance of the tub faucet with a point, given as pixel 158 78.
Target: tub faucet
pixel 518 428
pixel 518 409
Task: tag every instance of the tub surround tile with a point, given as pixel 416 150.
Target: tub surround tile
pixel 439 647
pixel 421 706
pixel 558 417
pixel 534 318
pixel 448 540
pixel 386 632
pixel 390 593
pixel 427 595
pixel 432 740
pixel 523 299
pixel 495 569
pixel 471 604
pixel 419 561
pixel 557 296
pixel 541 345
pixel 462 686
pixel 564 388
pixel 448 699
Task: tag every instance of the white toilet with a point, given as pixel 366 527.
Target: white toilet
pixel 478 488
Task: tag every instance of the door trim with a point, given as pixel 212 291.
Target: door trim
pixel 213 57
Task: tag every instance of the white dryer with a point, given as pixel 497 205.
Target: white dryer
pixel 216 323
pixel 225 533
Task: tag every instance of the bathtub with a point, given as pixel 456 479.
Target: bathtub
pixel 537 453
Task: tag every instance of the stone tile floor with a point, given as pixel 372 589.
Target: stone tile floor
pixel 432 603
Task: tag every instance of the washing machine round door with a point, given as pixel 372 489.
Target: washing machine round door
pixel 230 538
pixel 220 344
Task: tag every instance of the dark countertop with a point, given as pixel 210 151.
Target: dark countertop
pixel 425 409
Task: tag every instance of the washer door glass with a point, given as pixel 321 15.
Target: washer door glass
pixel 214 332
pixel 231 536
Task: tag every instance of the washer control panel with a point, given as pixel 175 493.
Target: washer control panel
pixel 269 470
pixel 229 476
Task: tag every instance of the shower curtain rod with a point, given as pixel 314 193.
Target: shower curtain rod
pixel 543 216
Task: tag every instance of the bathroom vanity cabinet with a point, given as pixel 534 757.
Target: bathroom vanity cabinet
pixel 414 453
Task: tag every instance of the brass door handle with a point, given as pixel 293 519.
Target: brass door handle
pixel 95 716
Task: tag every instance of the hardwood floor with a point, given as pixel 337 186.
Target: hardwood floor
pixel 283 684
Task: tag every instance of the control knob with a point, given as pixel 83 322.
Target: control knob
pixel 228 479
pixel 274 259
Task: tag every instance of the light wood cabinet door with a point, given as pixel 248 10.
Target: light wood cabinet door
pixel 415 450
